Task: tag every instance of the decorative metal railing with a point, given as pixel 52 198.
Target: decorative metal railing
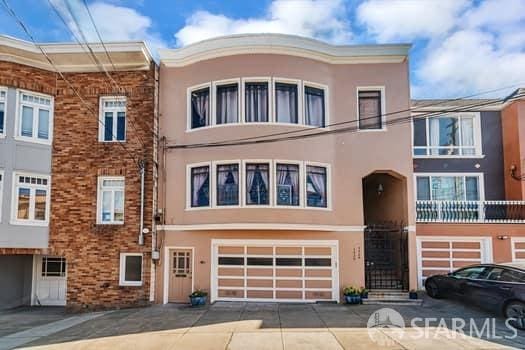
pixel 471 211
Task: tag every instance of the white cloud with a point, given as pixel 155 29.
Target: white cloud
pixel 322 19
pixel 404 19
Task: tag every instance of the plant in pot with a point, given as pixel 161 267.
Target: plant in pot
pixel 412 294
pixel 352 295
pixel 198 297
pixel 364 293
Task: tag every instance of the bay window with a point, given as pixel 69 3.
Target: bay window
pixel 370 109
pixel 110 200
pixel 31 199
pixel 314 106
pixel 257 183
pixel 228 184
pixel 200 186
pixel 227 104
pixel 113 119
pixel 287 184
pixel 200 108
pixel 448 187
pixel 256 102
pixel 316 186
pixel 286 103
pixel 35 113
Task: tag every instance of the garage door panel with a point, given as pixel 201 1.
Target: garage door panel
pixel 319 295
pixel 436 263
pixel 435 245
pixel 288 272
pixel 226 293
pixel 260 251
pixel 260 294
pixel 289 294
pixel 318 284
pixel 518 249
pixel 326 251
pixel 231 250
pixel 289 283
pixel 263 272
pixel 460 263
pixel 466 245
pixel 259 283
pixel 436 254
pixel 318 272
pixel 297 251
pixel 428 273
pixel 231 282
pixel 467 255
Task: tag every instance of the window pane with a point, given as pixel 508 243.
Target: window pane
pixel 314 106
pixel 420 132
pixel 318 262
pixel 27 121
pixel 423 188
pixel 288 261
pixel 227 104
pixel 471 272
pixel 200 108
pixel 471 184
pixel 287 179
pixel 316 186
pixel 23 203
pixel 260 261
pixel 113 183
pixel 106 206
pixel 370 110
pixel 53 267
pixel 512 276
pixel 119 206
pixel 40 204
pixel 256 95
pixel 228 184
pixel 257 184
pixel 444 135
pixel 108 126
pixel 286 103
pixel 133 268
pixel 43 124
pixel 231 261
pixel 447 188
pixel 121 126
pixel 2 107
pixel 200 187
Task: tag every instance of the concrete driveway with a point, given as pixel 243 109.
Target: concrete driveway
pixel 280 326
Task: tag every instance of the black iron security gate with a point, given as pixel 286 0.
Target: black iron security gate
pixel 386 257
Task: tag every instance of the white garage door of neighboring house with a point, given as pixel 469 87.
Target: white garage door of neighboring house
pixel 49 287
pixel 518 248
pixel 269 270
pixel 438 255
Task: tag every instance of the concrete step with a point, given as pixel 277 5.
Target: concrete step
pixel 392 301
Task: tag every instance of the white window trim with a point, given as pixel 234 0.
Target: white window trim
pixel 18 117
pixel 189 167
pixel 4 101
pixel 382 89
pixel 302 188
pixel 477 136
pixel 325 101
pixel 14 200
pixel 515 250
pixel 248 80
pixel 2 181
pixel 213 99
pixel 300 100
pixel 480 176
pixel 188 106
pixel 213 183
pixel 122 272
pixel 270 179
pixel 100 180
pixel 101 117
pixel 328 168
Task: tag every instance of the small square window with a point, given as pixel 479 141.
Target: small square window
pixel 130 269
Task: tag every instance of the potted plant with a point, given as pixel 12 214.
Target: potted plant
pixel 198 297
pixel 412 294
pixel 352 295
pixel 364 293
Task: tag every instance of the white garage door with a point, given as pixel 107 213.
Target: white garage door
pixel 518 249
pixel 49 281
pixel 268 270
pixel 439 255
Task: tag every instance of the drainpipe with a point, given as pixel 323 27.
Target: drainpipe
pixel 141 232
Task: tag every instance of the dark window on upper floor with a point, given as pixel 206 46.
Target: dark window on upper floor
pixel 227 104
pixel 228 184
pixel 314 106
pixel 286 103
pixel 200 108
pixel 257 184
pixel 256 102
pixel 200 186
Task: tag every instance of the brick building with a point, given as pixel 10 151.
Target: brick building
pixel 73 230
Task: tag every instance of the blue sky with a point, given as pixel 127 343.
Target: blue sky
pixel 460 47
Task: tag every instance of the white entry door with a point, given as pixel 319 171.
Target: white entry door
pixel 49 280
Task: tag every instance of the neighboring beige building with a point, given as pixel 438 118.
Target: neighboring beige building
pixel 286 220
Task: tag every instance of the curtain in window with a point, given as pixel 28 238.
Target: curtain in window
pixel 467 136
pixel 434 135
pixel 314 106
pixel 27 121
pixel 228 184
pixel 200 187
pixel 106 206
pixel 43 124
pixel 287 184
pixel 227 104
pixel 423 188
pixel 370 110
pixel 286 103
pixel 316 186
pixel 200 108
pixel 256 102
pixel 118 206
pixel 257 181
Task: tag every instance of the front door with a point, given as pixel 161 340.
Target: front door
pixel 180 275
pixel 50 280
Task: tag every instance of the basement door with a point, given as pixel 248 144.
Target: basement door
pixel 269 270
pixel 180 275
pixel 49 280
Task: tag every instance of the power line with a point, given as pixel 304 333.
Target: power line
pixel 12 13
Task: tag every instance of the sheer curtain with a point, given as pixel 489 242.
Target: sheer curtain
pixel 200 108
pixel 434 135
pixel 199 179
pixel 227 184
pixel 314 106
pixel 250 176
pixel 288 175
pixel 256 102
pixel 317 176
pixel 227 104
pixel 286 103
pixel 467 135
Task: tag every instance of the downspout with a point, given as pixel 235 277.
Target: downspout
pixel 141 232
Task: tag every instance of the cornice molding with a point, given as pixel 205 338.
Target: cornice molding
pixel 261 226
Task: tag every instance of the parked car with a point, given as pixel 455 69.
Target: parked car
pixel 497 287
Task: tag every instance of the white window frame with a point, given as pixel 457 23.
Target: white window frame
pixel 249 80
pixel 4 101
pixel 189 167
pixel 213 100
pixel 480 176
pixel 300 100
pixel 63 265
pixel 325 101
pixel 328 168
pixel 2 180
pixel 302 188
pixel 32 188
pixel 213 183
pixel 100 182
pixel 477 137
pixel 382 89
pixel 36 107
pixel 103 109
pixel 270 179
pixel 188 106
pixel 122 270
pixel 515 250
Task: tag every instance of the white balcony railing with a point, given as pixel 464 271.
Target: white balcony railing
pixel 471 211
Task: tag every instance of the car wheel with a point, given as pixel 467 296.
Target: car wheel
pixel 432 289
pixel 516 310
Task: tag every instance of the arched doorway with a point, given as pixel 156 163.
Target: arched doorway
pixel 385 211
